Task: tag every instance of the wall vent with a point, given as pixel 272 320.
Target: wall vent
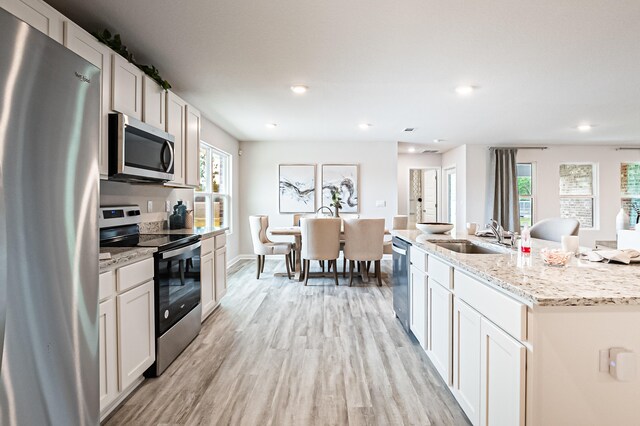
pixel 409 129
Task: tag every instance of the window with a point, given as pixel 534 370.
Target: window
pixel 630 191
pixel 578 193
pixel 525 172
pixel 213 196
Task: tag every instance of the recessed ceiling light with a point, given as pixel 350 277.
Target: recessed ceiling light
pixel 585 127
pixel 438 140
pixel 271 125
pixel 465 90
pixel 364 126
pixel 412 149
pixel 299 89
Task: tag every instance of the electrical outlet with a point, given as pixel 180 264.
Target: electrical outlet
pixel 149 206
pixel 167 206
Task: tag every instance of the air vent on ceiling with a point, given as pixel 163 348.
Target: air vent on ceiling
pixel 429 151
pixel 409 129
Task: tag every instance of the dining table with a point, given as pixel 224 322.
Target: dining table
pixel 296 233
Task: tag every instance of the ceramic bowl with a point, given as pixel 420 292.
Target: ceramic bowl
pixel 434 227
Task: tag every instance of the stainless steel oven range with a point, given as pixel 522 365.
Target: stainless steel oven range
pixel 177 280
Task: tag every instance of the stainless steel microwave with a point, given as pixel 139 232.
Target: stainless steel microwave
pixel 139 152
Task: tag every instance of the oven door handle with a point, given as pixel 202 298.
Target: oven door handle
pixel 180 250
pixel 398 250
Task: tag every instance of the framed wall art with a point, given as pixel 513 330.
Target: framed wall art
pixel 344 178
pixel 297 183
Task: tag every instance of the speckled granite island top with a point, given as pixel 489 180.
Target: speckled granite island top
pixel 121 256
pixel 580 283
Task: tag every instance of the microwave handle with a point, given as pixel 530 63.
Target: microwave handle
pixel 167 144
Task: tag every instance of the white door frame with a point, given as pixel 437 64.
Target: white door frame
pixel 439 188
pixel 445 191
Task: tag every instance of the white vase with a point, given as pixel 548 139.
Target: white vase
pixel 622 219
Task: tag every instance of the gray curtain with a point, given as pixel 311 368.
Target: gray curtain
pixel 503 188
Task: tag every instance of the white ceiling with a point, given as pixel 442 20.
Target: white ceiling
pixel 542 67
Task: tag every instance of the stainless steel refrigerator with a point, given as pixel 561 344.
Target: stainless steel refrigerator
pixel 49 129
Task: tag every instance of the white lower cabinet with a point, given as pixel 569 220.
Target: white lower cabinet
pixel 207 284
pixel 502 377
pixel 108 352
pixel 220 269
pixel 418 308
pixel 127 342
pixel 440 329
pixel 136 333
pixel 466 359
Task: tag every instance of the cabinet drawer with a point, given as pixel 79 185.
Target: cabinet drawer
pixel 106 285
pixel 418 258
pixel 440 272
pixel 505 312
pixel 221 240
pixel 132 275
pixel 208 246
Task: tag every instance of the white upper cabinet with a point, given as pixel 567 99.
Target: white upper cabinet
pixel 176 125
pixel 38 14
pixel 87 46
pixel 126 86
pixel 192 145
pixel 153 103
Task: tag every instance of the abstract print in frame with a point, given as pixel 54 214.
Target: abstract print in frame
pixel 343 177
pixel 297 188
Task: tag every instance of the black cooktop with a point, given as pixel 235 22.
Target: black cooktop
pixel 123 237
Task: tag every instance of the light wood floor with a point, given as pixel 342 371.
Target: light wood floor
pixel 278 353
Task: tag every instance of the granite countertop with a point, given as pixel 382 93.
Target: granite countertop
pixel 121 256
pixel 580 283
pixel 206 232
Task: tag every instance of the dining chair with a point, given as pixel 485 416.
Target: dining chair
pixel 363 240
pixel 554 228
pixel 399 222
pixel 320 241
pixel 262 246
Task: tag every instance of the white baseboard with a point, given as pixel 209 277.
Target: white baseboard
pixel 240 257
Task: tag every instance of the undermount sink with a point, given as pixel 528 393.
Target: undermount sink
pixel 466 247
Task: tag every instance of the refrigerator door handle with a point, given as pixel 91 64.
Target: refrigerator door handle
pixel 3 263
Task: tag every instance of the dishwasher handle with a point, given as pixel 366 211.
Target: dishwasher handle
pixel 399 250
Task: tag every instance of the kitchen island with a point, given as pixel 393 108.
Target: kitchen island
pixel 520 342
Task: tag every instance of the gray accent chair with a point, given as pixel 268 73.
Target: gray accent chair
pixel 553 229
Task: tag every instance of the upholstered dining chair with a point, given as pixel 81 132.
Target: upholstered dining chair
pixel 399 222
pixel 554 228
pixel 363 239
pixel 262 246
pixel 320 241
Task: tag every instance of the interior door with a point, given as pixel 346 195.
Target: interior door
pixel 430 196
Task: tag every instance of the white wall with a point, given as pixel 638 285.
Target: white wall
pixel 457 158
pixel 121 193
pixel 218 138
pixel 547 202
pixel 259 178
pixel 407 162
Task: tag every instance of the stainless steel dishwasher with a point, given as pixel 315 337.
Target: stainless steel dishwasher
pixel 400 281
